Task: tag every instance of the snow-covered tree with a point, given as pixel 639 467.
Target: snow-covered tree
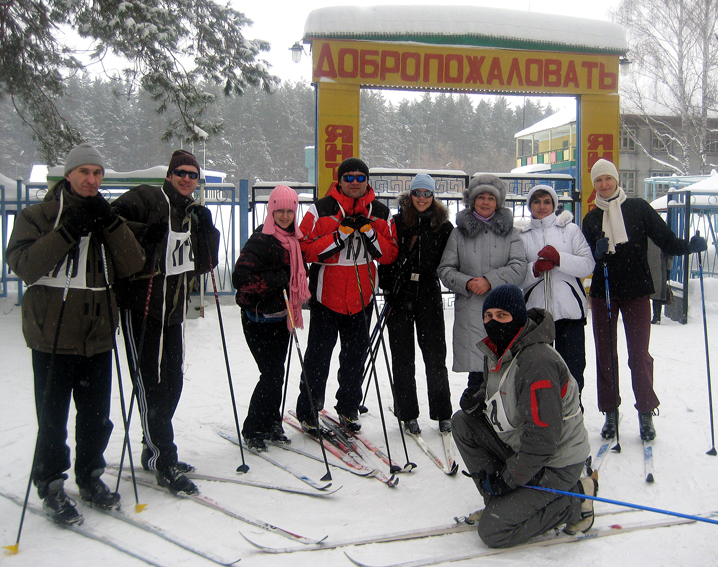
pixel 170 48
pixel 673 86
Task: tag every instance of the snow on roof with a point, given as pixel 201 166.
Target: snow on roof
pixel 561 118
pixel 466 25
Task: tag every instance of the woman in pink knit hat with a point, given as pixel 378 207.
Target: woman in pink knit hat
pixel 270 263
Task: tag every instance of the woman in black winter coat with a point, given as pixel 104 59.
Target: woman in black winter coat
pixel 270 263
pixel 412 290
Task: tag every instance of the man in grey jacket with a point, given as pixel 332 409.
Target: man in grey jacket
pixel 523 426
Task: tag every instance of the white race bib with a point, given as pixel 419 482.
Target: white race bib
pixel 179 257
pixel 58 276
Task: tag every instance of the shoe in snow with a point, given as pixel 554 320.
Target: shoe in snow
pixel 350 420
pixel 587 485
pixel 412 426
pixel 175 481
pixel 59 508
pixel 610 426
pixel 277 435
pixel 445 426
pixel 256 443
pixel 181 466
pixel 645 422
pixel 98 494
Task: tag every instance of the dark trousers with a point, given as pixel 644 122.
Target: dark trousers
pixel 429 321
pixel 636 313
pixel 524 512
pixel 268 344
pixel 324 327
pixel 88 380
pixel 159 385
pixel 570 343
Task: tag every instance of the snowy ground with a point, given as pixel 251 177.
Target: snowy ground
pixel 685 475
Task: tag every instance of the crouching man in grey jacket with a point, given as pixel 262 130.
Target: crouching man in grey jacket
pixel 523 426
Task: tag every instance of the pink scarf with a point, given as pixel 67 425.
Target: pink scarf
pixel 298 288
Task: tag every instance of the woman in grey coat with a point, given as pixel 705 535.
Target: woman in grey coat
pixel 484 251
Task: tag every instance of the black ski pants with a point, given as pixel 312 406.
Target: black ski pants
pixel 88 380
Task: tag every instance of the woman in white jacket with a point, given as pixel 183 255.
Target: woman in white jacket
pixel 559 257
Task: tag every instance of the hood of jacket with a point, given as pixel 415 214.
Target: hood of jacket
pixel 561 220
pixel 500 224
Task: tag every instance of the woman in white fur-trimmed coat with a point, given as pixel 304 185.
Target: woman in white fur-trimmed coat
pixel 559 257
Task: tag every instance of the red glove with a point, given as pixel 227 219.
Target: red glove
pixel 542 265
pixel 550 253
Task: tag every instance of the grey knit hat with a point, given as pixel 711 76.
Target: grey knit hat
pixel 84 154
pixel 423 181
pixel 485 183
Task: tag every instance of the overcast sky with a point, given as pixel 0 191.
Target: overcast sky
pixel 281 23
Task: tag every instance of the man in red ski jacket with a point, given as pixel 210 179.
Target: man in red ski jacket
pixel 344 232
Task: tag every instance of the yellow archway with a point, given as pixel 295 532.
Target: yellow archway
pixel 433 48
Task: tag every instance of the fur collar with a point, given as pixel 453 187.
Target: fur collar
pixel 500 224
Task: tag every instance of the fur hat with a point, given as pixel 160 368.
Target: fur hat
pixel 352 164
pixel 182 157
pixel 509 298
pixel 84 154
pixel 547 189
pixel 281 197
pixel 423 181
pixel 603 167
pixel 485 183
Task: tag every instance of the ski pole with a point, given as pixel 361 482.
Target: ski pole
pixel 243 468
pixel 45 396
pixel 125 421
pixel 134 355
pixel 392 467
pixel 626 504
pixel 614 371
pixel 712 450
pixel 374 345
pixel 305 383
pixel 286 377
pixel 409 464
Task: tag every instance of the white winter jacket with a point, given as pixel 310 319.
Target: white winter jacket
pixel 566 297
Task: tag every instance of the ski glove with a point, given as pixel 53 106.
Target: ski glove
pixel 472 400
pixel 101 209
pixel 697 244
pixel 346 227
pixel 550 253
pixel 204 217
pixel 541 265
pixel 601 248
pixel 364 226
pixel 79 221
pixel 494 484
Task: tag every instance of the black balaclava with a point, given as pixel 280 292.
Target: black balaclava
pixel 509 298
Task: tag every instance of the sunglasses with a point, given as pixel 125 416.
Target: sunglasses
pixel 351 178
pixel 184 173
pixel 421 193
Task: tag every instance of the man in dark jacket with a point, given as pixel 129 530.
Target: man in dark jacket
pixel 180 241
pixel 344 233
pixel 617 231
pixel 57 246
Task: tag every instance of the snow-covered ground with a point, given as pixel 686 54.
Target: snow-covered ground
pixel 686 478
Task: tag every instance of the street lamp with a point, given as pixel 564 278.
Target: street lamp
pixel 297 51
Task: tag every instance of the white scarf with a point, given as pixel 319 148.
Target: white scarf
pixel 614 228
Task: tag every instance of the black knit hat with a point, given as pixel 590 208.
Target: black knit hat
pixel 509 298
pixel 182 157
pixel 352 164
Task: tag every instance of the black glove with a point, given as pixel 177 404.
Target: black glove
pixel 101 209
pixel 363 224
pixel 79 221
pixel 155 233
pixel 601 248
pixel 204 217
pixel 494 484
pixel 697 244
pixel 472 400
pixel 346 227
